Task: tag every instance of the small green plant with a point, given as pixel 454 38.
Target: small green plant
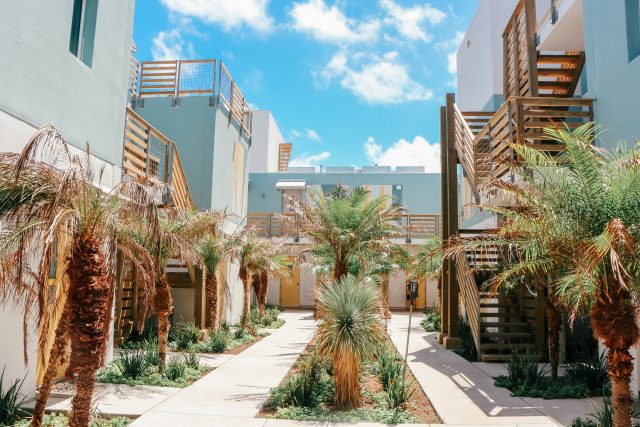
pixel 191 360
pixel 11 401
pixel 590 368
pixel 522 367
pixel 431 321
pixel 175 370
pixel 239 334
pixel 185 334
pixel 468 346
pixel 218 341
pixel 132 363
pixel 309 387
pixel 151 351
pixel 388 368
pixel 399 392
pixel 60 420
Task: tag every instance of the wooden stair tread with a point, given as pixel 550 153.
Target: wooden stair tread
pixel 497 304
pixel 503 346
pixel 495 357
pixel 504 324
pixel 556 72
pixel 506 334
pixel 558 59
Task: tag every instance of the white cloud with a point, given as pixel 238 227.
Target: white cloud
pixel 306 159
pixel 418 152
pixel 375 79
pixel 313 135
pixel 170 44
pixel 452 63
pixel 230 14
pixel 295 133
pixel 410 22
pixel 453 43
pixel 329 24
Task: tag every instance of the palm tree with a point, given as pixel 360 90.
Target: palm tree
pixel 251 255
pixel 73 213
pixel 272 263
pixel 350 331
pixel 344 224
pixel 212 249
pixel 579 232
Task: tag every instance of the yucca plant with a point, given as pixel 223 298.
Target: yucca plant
pixel 48 197
pixel 132 364
pixel 350 331
pixel 11 401
pixel 577 237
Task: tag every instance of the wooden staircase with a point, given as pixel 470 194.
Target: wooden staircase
pixel 559 73
pixel 503 326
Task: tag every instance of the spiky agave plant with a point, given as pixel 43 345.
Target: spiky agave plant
pixel 578 236
pixel 51 197
pixel 350 330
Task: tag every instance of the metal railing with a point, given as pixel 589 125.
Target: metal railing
pixel 411 226
pixel 544 11
pixel 196 77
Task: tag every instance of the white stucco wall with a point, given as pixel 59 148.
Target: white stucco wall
pixel 397 290
pixel 307 286
pixel 479 56
pixel 265 143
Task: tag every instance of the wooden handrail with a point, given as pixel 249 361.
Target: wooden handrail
pixel 180 194
pixel 412 226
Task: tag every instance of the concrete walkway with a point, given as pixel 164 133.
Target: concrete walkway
pixel 463 394
pixel 233 394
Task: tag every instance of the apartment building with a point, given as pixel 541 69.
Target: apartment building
pixel 524 65
pixel 67 64
pixel 272 185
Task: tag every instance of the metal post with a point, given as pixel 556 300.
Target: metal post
pixel 413 294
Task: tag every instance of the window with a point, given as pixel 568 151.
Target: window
pixel 83 29
pixel 633 27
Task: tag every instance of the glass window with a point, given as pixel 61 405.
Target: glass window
pixel 633 27
pixel 83 29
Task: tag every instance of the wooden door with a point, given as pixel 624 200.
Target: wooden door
pixel 290 288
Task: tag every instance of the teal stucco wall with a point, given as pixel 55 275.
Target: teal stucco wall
pixel 205 139
pixel 42 82
pixel 611 78
pixel 419 193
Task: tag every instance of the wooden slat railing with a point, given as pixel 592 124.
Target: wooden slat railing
pixel 464 137
pixel 149 156
pixel 519 52
pixel 411 226
pixel 520 120
pixel 180 194
pixel 178 77
pixel 470 296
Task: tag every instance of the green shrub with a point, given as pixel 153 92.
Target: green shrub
pixel 468 346
pixel 590 368
pixel 309 387
pixel 522 367
pixel 132 363
pixel 218 341
pixel 11 401
pixel 376 414
pixel 191 360
pixel 388 368
pixel 399 392
pixel 431 321
pixel 239 334
pixel 151 351
pixel 175 370
pixel 184 335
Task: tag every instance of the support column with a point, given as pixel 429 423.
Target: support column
pixel 200 299
pixel 444 273
pixel 452 340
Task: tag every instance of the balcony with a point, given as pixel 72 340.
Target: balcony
pixel 196 77
pixel 275 225
pixel 151 158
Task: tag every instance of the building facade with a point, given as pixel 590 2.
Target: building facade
pixel 66 63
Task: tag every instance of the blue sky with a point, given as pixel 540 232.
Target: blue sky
pixel 349 82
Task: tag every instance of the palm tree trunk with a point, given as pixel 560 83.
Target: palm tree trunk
pixel 614 321
pixel 554 319
pixel 90 298
pixel 164 307
pixel 246 286
pixel 211 286
pixel 620 368
pixel 340 270
pixel 80 415
pixel 262 294
pixel 53 364
pixel 346 375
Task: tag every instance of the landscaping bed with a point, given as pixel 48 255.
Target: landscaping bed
pixel 60 420
pixel 586 377
pixel 306 393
